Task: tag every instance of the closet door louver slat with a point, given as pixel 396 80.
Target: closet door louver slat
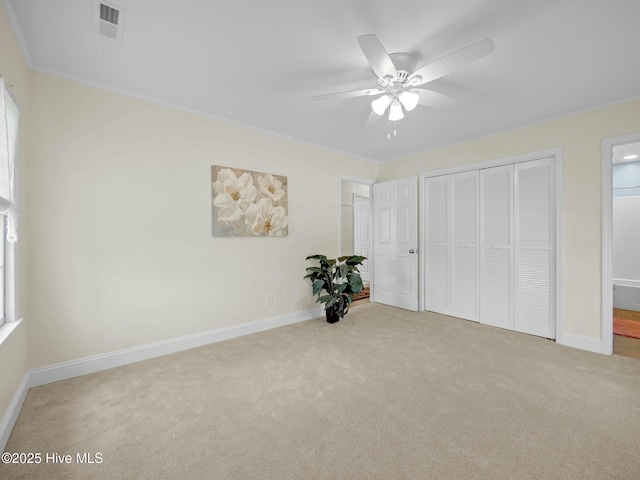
pixel 437 235
pixel 464 245
pixel 496 264
pixel 534 267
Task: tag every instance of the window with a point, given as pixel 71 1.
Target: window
pixel 3 249
pixel 8 208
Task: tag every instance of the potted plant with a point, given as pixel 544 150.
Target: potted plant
pixel 339 279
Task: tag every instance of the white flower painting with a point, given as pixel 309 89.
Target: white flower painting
pixel 247 203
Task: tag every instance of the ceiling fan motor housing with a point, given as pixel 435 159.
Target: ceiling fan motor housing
pixel 405 64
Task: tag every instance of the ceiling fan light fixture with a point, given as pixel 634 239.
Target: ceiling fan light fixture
pixel 409 99
pixel 379 105
pixel 395 111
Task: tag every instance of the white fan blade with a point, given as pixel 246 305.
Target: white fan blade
pixel 372 119
pixel 377 56
pixel 451 62
pixel 429 98
pixel 349 94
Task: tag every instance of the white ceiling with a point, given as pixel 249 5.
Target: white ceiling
pixel 259 62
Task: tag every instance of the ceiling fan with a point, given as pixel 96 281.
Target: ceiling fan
pixel 398 77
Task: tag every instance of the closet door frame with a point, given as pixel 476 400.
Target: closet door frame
pixel 556 157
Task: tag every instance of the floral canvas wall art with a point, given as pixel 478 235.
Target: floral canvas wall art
pixel 248 203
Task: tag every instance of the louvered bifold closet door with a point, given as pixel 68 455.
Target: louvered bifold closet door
pixel 496 246
pixel 437 243
pixel 464 245
pixel 533 253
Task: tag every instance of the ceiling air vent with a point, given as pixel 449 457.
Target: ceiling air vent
pixel 111 20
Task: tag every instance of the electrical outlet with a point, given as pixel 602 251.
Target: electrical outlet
pixel 268 299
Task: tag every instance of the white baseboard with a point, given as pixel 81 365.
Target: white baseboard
pixel 83 366
pixel 11 415
pixel 591 344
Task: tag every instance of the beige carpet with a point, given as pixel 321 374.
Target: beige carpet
pixel 383 394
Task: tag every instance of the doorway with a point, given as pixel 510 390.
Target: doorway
pixel 620 237
pixel 355 229
pixel 625 254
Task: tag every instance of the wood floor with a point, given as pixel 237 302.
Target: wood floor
pixel 627 323
pixel 362 301
pixel 626 314
pixel 626 346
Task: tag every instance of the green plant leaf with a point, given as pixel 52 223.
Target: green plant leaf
pixel 355 260
pixel 344 270
pixel 356 283
pixel 317 286
pixel 325 299
pixel 315 269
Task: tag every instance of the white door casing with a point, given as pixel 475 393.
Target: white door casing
pixel 606 346
pixel 395 243
pixel 362 233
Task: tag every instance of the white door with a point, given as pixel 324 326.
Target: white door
pixel 436 212
pixel 362 233
pixel 395 243
pixel 534 302
pixel 464 245
pixel 451 232
pixel 496 246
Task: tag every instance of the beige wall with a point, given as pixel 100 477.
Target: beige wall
pixel 13 352
pixel 580 138
pixel 122 253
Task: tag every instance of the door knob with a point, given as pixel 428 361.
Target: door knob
pixel 412 251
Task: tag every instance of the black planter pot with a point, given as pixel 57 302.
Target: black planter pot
pixel 332 316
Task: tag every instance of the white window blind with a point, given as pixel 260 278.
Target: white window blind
pixel 9 116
